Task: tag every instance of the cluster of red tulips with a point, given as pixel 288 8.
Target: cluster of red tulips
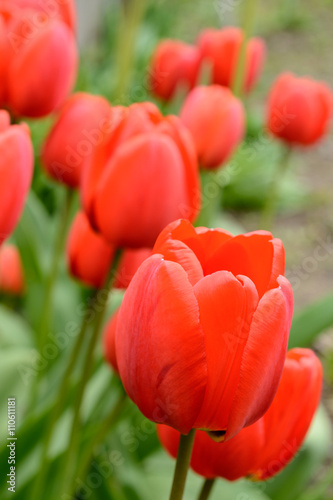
pixel 200 339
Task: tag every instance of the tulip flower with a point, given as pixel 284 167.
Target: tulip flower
pixel 11 271
pixel 221 49
pixel 81 126
pixel 16 168
pixel 109 338
pixel 299 109
pixel 216 120
pixel 264 448
pixel 142 178
pixel 174 65
pixel 203 329
pixel 52 9
pixel 89 256
pixel 40 57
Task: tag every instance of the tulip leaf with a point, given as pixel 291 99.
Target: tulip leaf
pixel 311 321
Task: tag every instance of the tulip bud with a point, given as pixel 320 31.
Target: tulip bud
pixel 16 168
pixel 81 126
pixel 11 271
pixel 221 49
pixel 143 178
pixel 299 109
pixel 216 121
pixel 261 450
pixel 40 56
pixel 174 64
pixel 88 254
pixel 203 329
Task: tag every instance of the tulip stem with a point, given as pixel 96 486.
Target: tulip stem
pixel 248 16
pixel 56 410
pixel 206 489
pixel 102 431
pixel 269 210
pixel 182 464
pixel 132 14
pixel 52 276
pixel 70 459
pixel 211 197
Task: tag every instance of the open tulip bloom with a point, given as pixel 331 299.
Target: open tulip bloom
pixel 264 448
pixel 203 329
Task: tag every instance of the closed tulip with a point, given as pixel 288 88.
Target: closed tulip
pixel 261 450
pixel 89 256
pixel 203 329
pixel 16 168
pixel 174 65
pixel 81 126
pixel 142 178
pixel 216 121
pixel 11 271
pixel 221 49
pixel 52 9
pixel 41 58
pixel 299 109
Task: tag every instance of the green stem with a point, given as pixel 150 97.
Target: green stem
pixel 182 464
pixel 269 210
pixel 249 12
pixel 70 458
pixel 102 431
pixel 211 198
pixel 52 276
pixel 206 489
pixel 55 412
pixel 131 18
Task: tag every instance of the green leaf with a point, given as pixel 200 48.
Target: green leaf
pixel 311 321
pixel 14 330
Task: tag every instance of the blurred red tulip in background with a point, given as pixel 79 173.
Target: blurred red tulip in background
pixel 221 49
pixel 11 271
pixel 216 120
pixel 299 109
pixel 203 329
pixel 16 169
pixel 38 56
pixel 261 450
pixel 81 126
pixel 175 65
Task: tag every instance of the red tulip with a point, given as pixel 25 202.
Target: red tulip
pixel 129 263
pixel 203 329
pixel 16 168
pixel 221 49
pixel 145 176
pixel 89 255
pixel 216 120
pixel 41 59
pixel 109 338
pixel 299 109
pixel 11 271
pixel 81 126
pixel 261 450
pixel 174 64
pixel 52 9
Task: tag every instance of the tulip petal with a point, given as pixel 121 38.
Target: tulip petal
pixel 239 255
pixel 160 345
pixel 263 358
pixel 226 307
